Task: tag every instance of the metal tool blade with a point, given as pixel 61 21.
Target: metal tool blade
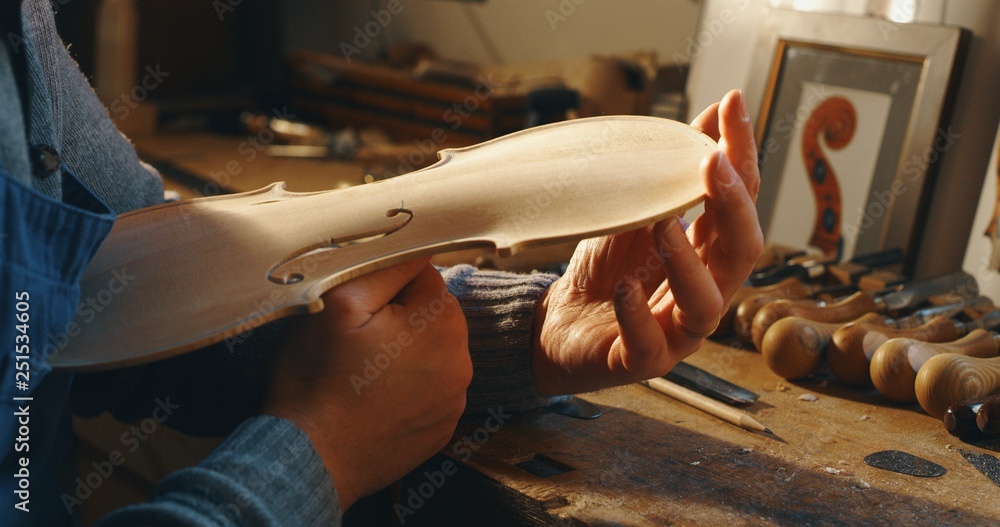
pixel 985 463
pixel 925 315
pixel 989 321
pixel 573 407
pixel 910 295
pixel 809 268
pixel 699 380
pixel 904 463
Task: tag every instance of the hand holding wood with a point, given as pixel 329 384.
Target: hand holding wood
pixel 632 305
pixel 205 270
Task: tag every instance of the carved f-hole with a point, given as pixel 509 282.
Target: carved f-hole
pixel 297 266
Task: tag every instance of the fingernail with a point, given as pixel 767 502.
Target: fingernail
pixel 727 183
pixel 726 175
pixel 743 106
pixel 671 237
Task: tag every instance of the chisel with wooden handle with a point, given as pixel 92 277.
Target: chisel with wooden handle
pixel 906 297
pixel 897 363
pixel 853 345
pixel 787 288
pixel 794 347
pixel 811 266
pixel 950 377
pixel 774 255
pixel 962 419
pixel 988 416
pixel 749 305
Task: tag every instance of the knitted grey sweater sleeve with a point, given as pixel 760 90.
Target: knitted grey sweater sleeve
pixel 500 310
pixel 67 116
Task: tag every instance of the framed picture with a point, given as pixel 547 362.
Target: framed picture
pixel 853 118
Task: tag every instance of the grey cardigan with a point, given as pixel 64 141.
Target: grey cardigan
pixel 266 472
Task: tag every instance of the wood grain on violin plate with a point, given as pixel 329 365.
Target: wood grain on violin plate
pixel 176 277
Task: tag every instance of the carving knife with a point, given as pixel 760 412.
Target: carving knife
pixel 701 381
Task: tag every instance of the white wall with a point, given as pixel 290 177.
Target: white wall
pixel 728 29
pixel 977 256
pixel 519 30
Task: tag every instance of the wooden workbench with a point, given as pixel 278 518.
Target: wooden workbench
pixel 651 461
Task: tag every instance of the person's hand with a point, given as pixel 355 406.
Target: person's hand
pixel 376 380
pixel 631 306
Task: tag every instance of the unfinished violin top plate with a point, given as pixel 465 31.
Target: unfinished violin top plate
pixel 179 276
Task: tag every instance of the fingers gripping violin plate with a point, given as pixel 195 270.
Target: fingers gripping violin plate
pixel 179 276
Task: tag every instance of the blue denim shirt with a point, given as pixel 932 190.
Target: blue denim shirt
pixel 57 145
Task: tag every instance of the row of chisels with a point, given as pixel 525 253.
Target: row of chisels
pixel 931 341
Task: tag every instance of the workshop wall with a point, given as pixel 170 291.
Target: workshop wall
pixel 727 36
pixel 977 256
pixel 507 31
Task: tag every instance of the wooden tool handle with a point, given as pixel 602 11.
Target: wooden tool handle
pixel 950 377
pixel 775 254
pixel 787 288
pixel 853 345
pixel 988 416
pixel 960 418
pixel 748 306
pixel 842 311
pixel 895 363
pixel 793 347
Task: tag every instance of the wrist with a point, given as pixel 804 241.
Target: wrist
pixel 543 368
pixel 319 438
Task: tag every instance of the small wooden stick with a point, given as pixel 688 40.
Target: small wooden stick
pixel 706 404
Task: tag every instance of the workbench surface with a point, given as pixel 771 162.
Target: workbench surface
pixel 652 461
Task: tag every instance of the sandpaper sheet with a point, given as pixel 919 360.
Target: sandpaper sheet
pixel 985 463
